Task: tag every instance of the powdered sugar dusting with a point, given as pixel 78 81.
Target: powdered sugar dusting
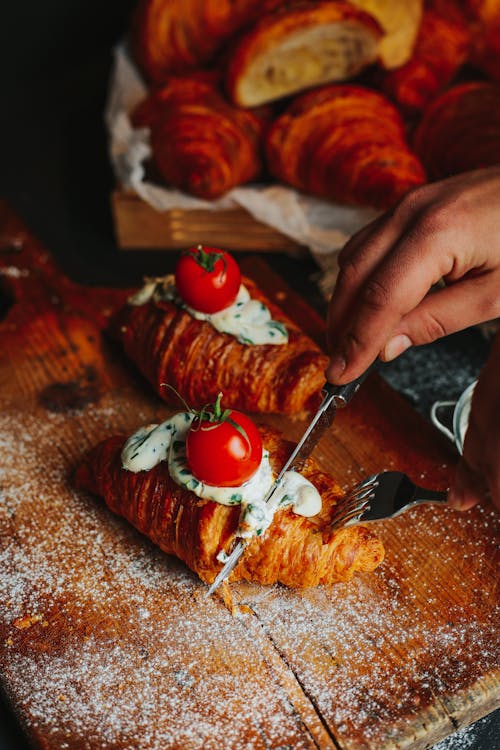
pixel 120 646
pixel 106 642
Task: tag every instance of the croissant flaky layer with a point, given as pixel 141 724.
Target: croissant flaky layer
pixel 460 130
pixel 298 46
pixel 171 347
pixel 171 36
pixel 296 551
pixel 441 48
pixel 201 143
pixel 344 142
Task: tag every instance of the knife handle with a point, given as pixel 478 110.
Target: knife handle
pixel 344 393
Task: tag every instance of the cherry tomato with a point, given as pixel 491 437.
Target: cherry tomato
pixel 207 279
pixel 221 455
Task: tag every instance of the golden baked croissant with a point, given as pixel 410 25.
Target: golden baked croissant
pixel 169 345
pixel 200 143
pixel 175 36
pixel 197 87
pixel 346 143
pixel 460 130
pixel 441 49
pixel 295 550
pixel 300 45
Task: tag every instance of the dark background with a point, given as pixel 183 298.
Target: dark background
pixel 54 66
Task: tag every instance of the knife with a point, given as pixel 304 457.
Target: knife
pixel 333 396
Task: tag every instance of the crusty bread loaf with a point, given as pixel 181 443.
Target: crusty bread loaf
pixel 298 46
pixel 460 130
pixel 169 346
pixel 346 143
pixel 296 551
pixel 201 143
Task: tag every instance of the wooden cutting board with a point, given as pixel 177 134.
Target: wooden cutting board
pixel 105 642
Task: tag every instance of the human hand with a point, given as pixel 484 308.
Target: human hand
pixel 478 472
pixel 381 305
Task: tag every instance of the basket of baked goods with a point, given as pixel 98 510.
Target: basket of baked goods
pixel 284 124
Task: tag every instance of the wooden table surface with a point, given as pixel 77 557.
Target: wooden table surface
pixel 105 642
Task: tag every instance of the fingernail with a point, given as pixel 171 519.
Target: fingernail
pixel 336 367
pixel 396 346
pixel 456 498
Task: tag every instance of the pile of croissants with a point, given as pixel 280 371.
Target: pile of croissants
pixel 355 101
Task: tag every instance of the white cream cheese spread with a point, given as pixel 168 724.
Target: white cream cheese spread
pixel 247 319
pixel 167 442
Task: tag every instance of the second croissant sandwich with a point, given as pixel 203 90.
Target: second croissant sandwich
pixel 296 550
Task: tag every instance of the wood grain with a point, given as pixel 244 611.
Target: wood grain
pixel 106 643
pixel 139 225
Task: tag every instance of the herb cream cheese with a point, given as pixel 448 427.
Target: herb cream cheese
pixel 247 319
pixel 167 442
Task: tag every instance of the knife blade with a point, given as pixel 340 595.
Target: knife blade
pixel 333 396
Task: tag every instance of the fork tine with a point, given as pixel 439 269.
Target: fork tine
pixel 353 509
pixel 359 493
pixel 380 496
pixel 371 480
pixel 356 502
pixel 346 518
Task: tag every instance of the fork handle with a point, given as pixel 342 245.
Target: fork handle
pixel 430 496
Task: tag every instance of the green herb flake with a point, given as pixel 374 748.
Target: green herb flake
pixel 278 326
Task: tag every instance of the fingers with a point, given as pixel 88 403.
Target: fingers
pixel 356 261
pixel 365 250
pixel 447 310
pixel 444 229
pixel 396 286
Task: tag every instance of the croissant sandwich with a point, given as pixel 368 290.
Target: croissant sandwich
pixel 300 45
pixel 174 501
pixel 205 331
pixel 346 143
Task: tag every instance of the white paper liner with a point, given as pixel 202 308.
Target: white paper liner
pixel 321 226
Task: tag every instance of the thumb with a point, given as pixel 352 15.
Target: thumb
pixel 467 488
pixel 447 310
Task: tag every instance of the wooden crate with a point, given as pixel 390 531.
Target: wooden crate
pixel 138 225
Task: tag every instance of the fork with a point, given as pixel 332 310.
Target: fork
pixel 383 495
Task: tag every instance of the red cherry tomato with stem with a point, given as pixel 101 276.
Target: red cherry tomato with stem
pixel 207 279
pixel 224 448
